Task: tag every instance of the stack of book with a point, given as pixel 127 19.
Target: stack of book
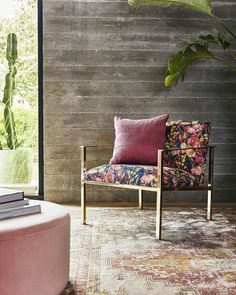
pixel 13 204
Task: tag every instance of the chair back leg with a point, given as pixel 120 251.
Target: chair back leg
pixel 210 183
pixel 140 195
pixel 209 204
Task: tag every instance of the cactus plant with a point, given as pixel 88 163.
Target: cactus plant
pixel 11 55
pixel 16 164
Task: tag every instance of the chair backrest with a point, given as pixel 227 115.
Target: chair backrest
pixel 186 134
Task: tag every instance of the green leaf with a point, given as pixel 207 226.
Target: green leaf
pixel 223 39
pixel 200 5
pixel 171 79
pixel 196 48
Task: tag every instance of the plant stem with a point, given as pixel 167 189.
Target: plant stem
pixel 223 24
pixel 229 52
pixel 226 63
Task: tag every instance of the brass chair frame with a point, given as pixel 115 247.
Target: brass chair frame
pixel 159 189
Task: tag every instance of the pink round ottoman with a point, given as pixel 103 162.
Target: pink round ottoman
pixel 34 252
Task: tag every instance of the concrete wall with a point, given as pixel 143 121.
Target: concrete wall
pixel 102 59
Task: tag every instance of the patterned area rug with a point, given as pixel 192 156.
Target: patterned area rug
pixel 117 253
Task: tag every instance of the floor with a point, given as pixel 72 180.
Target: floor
pixel 117 253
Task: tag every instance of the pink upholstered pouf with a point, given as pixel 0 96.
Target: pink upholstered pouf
pixel 34 252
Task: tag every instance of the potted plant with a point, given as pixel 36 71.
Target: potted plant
pixel 16 162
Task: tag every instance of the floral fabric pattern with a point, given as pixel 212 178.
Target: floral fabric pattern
pixel 141 175
pixel 183 134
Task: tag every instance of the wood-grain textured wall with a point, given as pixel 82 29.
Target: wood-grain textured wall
pixel 102 59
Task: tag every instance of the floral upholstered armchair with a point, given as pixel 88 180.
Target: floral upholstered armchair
pixel 180 166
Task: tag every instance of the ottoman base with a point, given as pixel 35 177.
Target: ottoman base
pixel 34 252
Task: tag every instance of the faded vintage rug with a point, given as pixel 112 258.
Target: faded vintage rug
pixel 117 253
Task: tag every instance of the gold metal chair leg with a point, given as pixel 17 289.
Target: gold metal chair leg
pixel 83 203
pixel 140 194
pixel 209 205
pixel 158 213
pixel 210 183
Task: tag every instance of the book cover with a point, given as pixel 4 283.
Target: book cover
pixel 20 211
pixel 14 204
pixel 9 195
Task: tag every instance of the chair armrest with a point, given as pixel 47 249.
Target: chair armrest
pixel 83 153
pixel 190 148
pixel 97 146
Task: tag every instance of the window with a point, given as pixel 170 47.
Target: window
pixel 19 157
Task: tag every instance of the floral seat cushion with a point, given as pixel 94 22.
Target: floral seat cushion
pixel 145 176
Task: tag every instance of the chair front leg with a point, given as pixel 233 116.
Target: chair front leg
pixel 83 185
pixel 83 202
pixel 140 195
pixel 158 213
pixel 159 194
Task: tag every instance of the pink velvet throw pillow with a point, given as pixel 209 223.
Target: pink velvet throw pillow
pixel 137 141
